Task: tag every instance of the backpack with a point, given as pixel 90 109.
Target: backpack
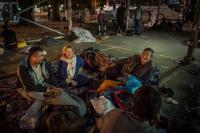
pixel 154 77
pixel 61 119
pixel 123 99
pixel 95 59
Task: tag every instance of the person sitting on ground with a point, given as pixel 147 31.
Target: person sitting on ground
pixel 142 118
pixel 37 79
pixel 70 68
pixel 9 38
pixel 139 66
pixel 34 72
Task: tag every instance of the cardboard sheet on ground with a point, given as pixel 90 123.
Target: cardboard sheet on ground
pixel 102 105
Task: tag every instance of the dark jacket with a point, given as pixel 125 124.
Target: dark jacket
pixel 62 70
pixel 120 13
pixel 117 121
pixel 134 66
pixel 28 79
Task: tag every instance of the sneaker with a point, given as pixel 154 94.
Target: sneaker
pixel 171 100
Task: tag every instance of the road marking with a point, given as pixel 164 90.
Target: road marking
pixel 168 78
pixel 161 55
pixel 123 57
pixel 108 49
pixel 181 45
pixel 166 67
pixel 38 40
pixel 169 57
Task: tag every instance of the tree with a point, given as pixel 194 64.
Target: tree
pixel 55 10
pixel 69 16
pixel 29 14
pixel 194 35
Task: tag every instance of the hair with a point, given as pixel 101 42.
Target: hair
pixel 146 103
pixel 66 47
pixel 33 50
pixel 138 4
pixel 149 50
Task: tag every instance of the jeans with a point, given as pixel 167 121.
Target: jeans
pixel 63 99
pixel 138 26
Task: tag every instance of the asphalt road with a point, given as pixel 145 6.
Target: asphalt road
pixel 168 49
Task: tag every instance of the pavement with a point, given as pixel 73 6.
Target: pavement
pixel 169 49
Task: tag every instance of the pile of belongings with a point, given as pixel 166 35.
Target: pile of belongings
pixel 82 35
pixel 12 105
pixel 95 59
pixel 19 114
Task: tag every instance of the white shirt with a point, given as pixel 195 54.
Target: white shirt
pixel 38 72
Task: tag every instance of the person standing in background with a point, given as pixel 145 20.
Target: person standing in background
pixel 138 20
pixel 120 17
pixel 6 14
pixel 114 18
pixel 101 21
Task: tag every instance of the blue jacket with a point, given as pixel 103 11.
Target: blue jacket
pixel 62 70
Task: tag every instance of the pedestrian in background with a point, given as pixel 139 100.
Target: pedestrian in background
pixel 6 14
pixel 114 18
pixel 101 21
pixel 138 19
pixel 120 17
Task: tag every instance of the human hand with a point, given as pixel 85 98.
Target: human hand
pixel 74 83
pixel 103 69
pixel 55 91
pixel 127 75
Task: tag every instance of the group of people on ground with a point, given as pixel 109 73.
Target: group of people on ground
pixel 118 19
pixel 38 81
pixel 167 25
